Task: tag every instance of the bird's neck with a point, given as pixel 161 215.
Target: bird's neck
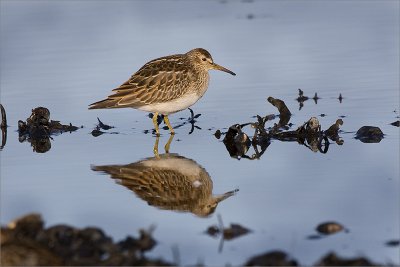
pixel 202 82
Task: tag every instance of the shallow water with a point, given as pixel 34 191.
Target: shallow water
pixel 65 55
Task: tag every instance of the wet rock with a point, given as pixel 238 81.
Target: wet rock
pixel 331 259
pixel 369 134
pixel 272 258
pixel 395 123
pixel 329 228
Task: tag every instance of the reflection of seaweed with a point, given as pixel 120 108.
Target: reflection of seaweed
pixel 38 128
pixel 237 142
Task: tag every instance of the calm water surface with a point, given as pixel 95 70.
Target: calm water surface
pixel 65 55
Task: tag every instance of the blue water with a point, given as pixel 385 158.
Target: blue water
pixel 65 55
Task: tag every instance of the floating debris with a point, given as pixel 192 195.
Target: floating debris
pixel 301 98
pixel 315 98
pixel 97 131
pixel 250 16
pixel 272 258
pixel 340 98
pixel 38 128
pixel 103 126
pixel 329 228
pixel 396 123
pixel 314 237
pixel 369 134
pixel 393 243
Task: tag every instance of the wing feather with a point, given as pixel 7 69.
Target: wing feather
pixel 160 80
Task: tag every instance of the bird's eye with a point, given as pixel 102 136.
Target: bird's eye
pixel 204 59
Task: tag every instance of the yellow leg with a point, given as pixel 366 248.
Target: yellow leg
pixel 166 147
pixel 155 149
pixel 166 120
pixel 155 116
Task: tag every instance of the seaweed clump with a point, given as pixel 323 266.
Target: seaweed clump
pixel 38 128
pixel 309 134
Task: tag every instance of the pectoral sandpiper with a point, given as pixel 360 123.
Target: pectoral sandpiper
pixel 169 182
pixel 165 85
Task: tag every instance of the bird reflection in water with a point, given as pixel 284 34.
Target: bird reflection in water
pixel 169 182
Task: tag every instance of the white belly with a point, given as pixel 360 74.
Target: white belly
pixel 172 106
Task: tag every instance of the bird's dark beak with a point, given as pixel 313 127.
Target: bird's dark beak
pixel 218 67
pixel 222 197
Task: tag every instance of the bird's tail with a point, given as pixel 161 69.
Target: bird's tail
pixel 106 103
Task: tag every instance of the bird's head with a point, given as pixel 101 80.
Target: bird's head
pixel 209 207
pixel 203 59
